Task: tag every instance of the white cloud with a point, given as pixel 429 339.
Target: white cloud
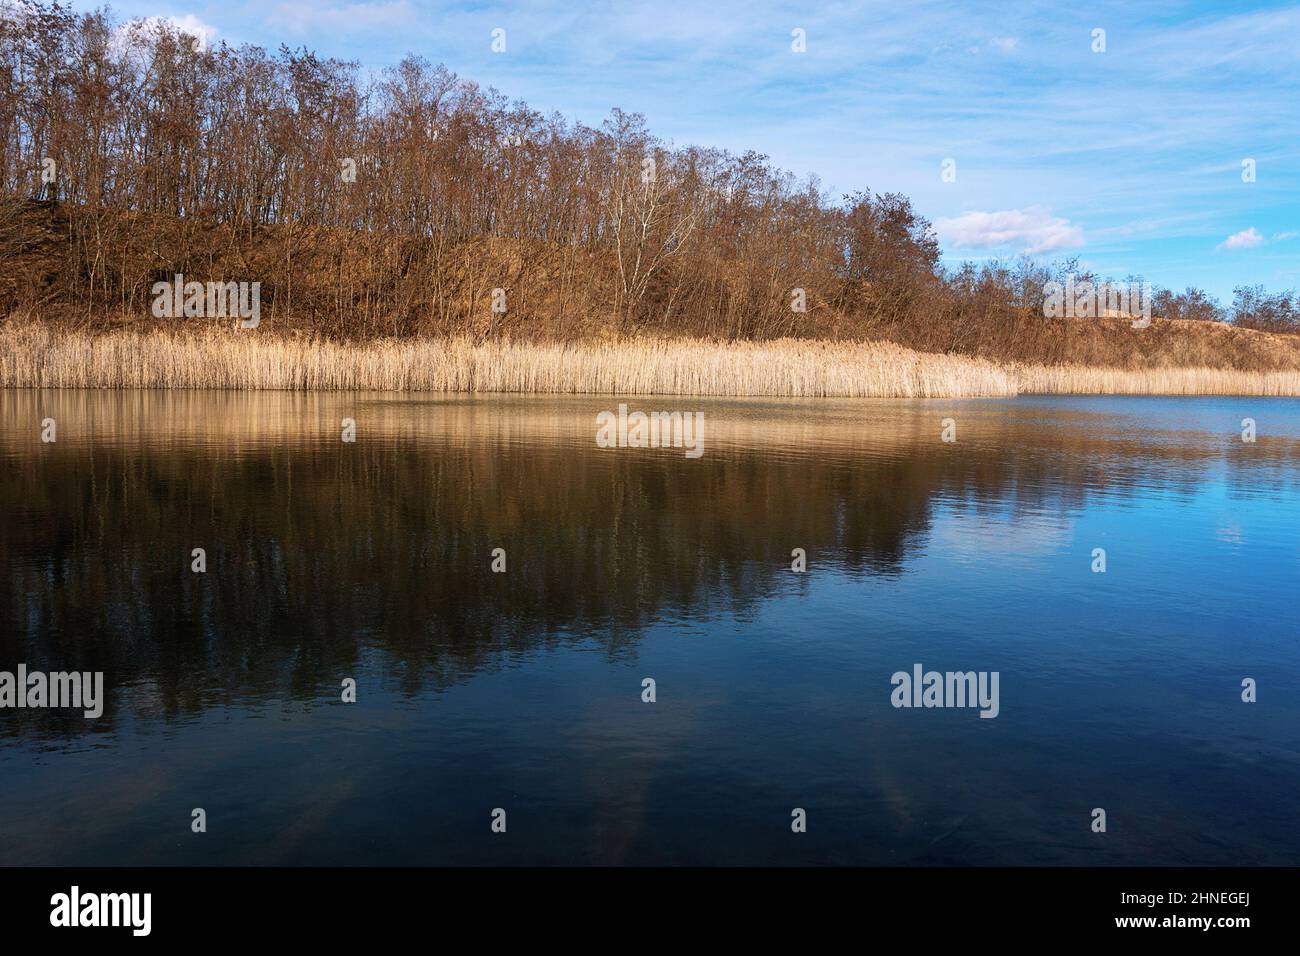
pixel 1242 240
pixel 1289 234
pixel 1031 230
pixel 203 33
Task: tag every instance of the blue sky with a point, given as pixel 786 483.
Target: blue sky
pixel 1130 159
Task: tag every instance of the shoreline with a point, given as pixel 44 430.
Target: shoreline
pixel 44 357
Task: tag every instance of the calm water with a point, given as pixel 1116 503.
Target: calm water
pixel 476 690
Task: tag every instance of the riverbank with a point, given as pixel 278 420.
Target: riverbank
pixel 40 356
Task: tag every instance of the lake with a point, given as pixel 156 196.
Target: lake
pixel 523 690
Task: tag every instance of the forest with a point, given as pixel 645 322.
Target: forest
pixel 413 202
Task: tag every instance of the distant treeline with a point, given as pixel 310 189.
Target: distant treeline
pixel 397 204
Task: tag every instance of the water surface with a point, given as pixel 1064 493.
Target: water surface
pixel 522 690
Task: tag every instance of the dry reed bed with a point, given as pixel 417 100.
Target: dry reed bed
pixel 1081 380
pixel 38 356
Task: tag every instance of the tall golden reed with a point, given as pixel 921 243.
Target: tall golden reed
pixel 39 356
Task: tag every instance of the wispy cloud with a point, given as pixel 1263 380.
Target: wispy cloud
pixel 301 17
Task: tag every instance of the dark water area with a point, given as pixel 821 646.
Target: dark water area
pixel 372 560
